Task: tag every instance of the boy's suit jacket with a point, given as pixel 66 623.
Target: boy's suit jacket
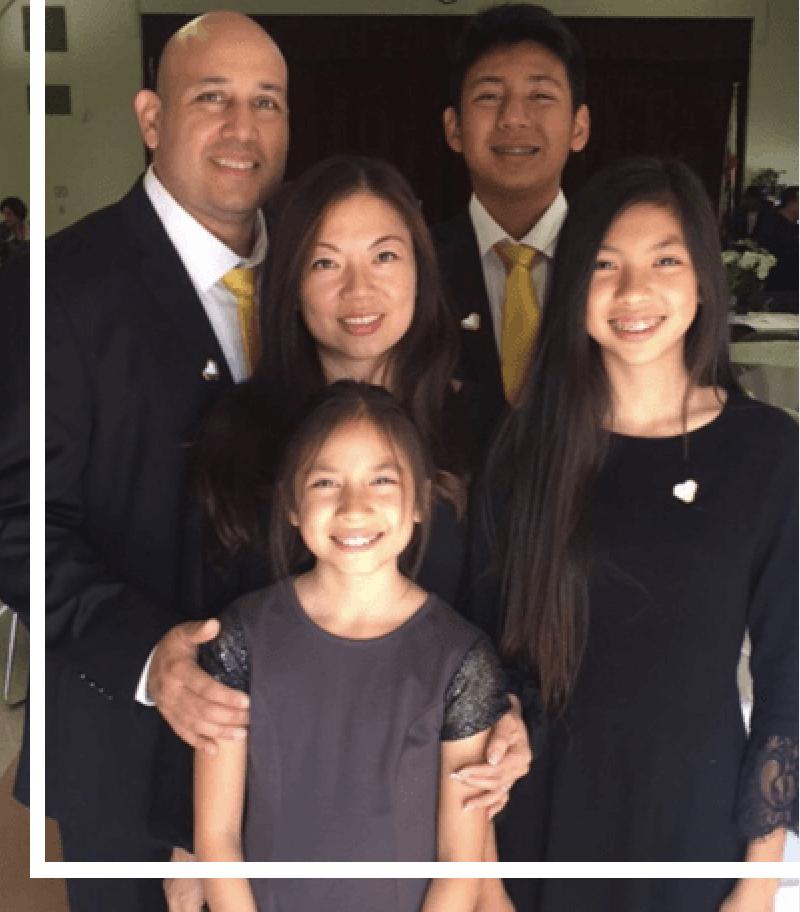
pixel 460 262
pixel 14 460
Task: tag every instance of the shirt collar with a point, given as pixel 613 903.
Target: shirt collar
pixel 542 236
pixel 205 257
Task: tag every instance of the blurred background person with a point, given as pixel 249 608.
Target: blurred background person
pixel 13 231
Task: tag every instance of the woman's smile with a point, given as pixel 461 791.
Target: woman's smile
pixel 362 325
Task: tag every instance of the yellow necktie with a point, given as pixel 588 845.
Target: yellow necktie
pixel 241 282
pixel 520 314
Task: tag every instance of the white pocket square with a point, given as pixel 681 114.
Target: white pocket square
pixel 472 322
pixel 210 371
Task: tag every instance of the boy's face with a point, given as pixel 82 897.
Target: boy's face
pixel 516 126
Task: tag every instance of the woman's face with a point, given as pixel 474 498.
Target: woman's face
pixel 358 287
pixel 643 294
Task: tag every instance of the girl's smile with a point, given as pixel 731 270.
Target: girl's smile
pixel 355 502
pixel 356 541
pixel 643 328
pixel 643 295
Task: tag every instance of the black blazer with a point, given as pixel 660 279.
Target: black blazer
pixel 460 263
pixel 14 462
pixel 127 343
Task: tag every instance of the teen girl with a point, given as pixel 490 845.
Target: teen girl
pixel 366 691
pixel 649 521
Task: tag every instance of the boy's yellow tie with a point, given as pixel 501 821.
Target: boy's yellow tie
pixel 520 314
pixel 241 282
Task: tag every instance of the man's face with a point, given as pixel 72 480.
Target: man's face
pixel 516 125
pixel 219 129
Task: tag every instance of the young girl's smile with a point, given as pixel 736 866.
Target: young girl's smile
pixel 643 295
pixel 355 501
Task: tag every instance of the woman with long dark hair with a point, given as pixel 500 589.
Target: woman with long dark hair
pixel 310 303
pixel 352 291
pixel 648 518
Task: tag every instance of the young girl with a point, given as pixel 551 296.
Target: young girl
pixel 649 519
pixel 366 692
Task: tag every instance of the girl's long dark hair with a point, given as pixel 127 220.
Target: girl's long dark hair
pixel 234 455
pixel 554 444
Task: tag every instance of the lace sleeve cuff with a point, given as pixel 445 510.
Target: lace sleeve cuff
pixel 767 796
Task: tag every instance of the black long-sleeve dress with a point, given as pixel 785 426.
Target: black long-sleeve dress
pixel 653 762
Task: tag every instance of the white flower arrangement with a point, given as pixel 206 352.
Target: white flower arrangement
pixel 746 267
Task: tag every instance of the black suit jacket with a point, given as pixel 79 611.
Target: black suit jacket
pixel 479 596
pixel 14 462
pixel 460 263
pixel 127 341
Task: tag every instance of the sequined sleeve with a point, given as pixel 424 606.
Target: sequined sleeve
pixel 476 696
pixel 225 657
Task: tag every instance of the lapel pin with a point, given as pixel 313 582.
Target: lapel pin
pixel 686 491
pixel 472 322
pixel 210 371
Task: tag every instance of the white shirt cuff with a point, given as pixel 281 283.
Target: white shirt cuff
pixel 142 695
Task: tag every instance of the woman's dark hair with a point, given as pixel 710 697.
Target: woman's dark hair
pixel 508 25
pixel 554 444
pixel 348 402
pixel 237 446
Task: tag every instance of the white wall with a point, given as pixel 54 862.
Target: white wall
pixel 96 153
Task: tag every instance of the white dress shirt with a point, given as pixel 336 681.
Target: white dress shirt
pixel 542 236
pixel 207 260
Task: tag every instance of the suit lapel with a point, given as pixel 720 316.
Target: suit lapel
pixel 460 261
pixel 163 272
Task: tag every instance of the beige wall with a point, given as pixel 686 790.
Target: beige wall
pixel 96 153
pixel 14 140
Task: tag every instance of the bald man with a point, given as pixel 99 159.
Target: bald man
pixel 142 332
pixel 217 123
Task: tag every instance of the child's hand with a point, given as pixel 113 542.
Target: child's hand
pixel 493 897
pixel 184 894
pixel 508 759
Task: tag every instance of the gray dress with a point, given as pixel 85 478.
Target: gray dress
pixel 345 739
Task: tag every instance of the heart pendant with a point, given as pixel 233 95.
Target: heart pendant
pixel 686 490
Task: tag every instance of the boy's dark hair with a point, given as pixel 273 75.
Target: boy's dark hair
pixel 517 23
